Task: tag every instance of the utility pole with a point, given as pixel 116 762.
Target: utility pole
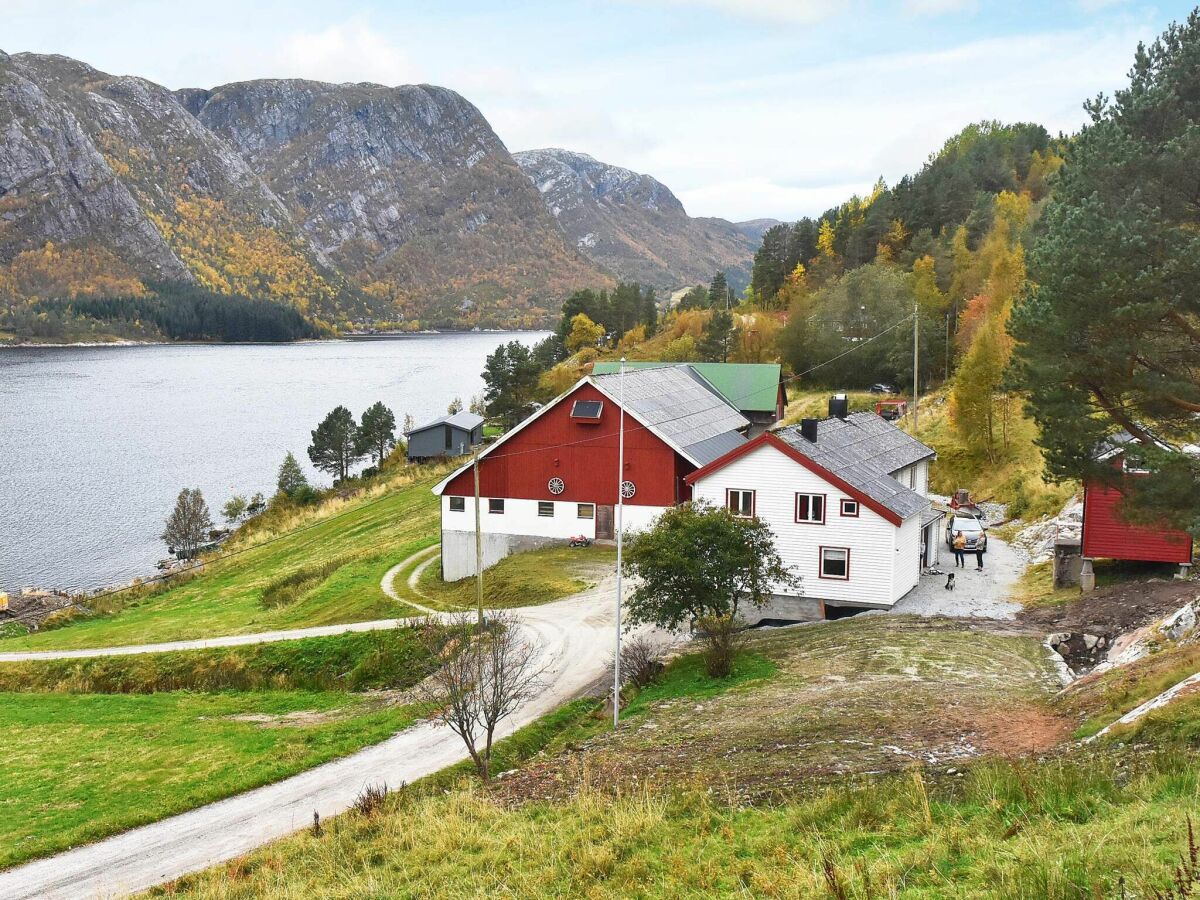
pixel 916 357
pixel 620 535
pixel 478 543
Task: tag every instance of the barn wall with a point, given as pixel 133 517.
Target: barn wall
pixel 872 540
pixel 1105 536
pixel 583 455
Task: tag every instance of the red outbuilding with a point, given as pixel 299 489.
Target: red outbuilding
pixel 1107 536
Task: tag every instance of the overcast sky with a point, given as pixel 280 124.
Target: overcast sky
pixel 745 108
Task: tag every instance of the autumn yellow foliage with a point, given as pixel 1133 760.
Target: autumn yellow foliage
pixel 54 272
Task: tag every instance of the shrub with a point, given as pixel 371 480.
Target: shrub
pixel 641 663
pixel 725 636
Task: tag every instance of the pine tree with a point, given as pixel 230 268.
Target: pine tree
pixel 718 292
pixel 718 334
pixel 377 433
pixel 334 444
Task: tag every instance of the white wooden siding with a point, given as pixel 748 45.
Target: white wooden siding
pixel 871 539
pixel 908 558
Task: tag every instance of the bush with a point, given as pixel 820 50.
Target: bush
pixel 641 664
pixel 725 636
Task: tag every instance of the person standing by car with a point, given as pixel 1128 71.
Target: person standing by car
pixel 960 548
pixel 979 554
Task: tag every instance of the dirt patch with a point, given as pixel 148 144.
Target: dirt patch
pixel 302 718
pixel 1023 731
pixel 1113 610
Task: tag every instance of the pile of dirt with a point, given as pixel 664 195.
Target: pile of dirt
pixel 1113 610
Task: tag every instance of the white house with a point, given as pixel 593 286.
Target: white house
pixel 846 498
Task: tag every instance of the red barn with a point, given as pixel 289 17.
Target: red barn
pixel 555 474
pixel 1107 536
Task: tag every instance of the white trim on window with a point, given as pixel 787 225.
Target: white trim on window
pixel 740 502
pixel 849 508
pixel 840 558
pixel 813 509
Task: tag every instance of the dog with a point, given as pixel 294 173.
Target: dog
pixel 950 581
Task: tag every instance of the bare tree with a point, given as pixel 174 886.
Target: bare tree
pixel 188 525
pixel 485 676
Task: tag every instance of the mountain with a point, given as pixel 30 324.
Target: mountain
pixel 407 189
pixel 347 201
pixel 634 226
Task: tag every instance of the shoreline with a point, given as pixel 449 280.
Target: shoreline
pixel 347 336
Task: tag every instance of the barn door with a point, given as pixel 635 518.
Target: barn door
pixel 605 530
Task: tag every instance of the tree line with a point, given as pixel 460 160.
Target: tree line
pixel 175 310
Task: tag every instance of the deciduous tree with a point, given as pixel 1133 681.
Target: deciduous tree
pixel 291 479
pixel 188 525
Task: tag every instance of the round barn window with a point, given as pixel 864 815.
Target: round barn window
pixel 556 485
pixel 628 489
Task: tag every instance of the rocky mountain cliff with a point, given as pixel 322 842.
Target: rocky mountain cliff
pixel 634 226
pixel 351 202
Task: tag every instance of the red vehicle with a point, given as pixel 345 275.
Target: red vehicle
pixel 891 410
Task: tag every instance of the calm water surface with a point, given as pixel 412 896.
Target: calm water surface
pixel 95 443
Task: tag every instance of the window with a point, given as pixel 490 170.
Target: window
pixel 458 504
pixel 835 563
pixel 585 511
pixel 587 410
pixel 810 508
pixel 850 508
pixel 740 503
pixel 545 507
pixel 496 505
pixel 449 437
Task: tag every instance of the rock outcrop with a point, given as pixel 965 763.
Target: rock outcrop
pixel 633 225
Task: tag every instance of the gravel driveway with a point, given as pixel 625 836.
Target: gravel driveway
pixel 985 594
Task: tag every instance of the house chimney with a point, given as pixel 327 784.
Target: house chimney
pixel 808 428
pixel 839 405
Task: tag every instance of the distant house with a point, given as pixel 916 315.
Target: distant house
pixel 1107 536
pixel 556 474
pixel 753 389
pixel 452 435
pixel 846 498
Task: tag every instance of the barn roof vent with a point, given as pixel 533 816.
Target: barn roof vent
pixel 808 428
pixel 839 406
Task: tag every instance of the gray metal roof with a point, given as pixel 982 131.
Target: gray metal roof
pixel 864 450
pixel 468 421
pixel 678 408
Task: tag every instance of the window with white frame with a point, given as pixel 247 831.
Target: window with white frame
pixel 850 508
pixel 545 507
pixel 496 505
pixel 810 508
pixel 740 503
pixel 585 511
pixel 458 504
pixel 835 563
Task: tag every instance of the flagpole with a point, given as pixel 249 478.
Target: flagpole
pixel 620 533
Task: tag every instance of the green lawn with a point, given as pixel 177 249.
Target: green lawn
pixel 362 538
pixel 76 768
pixel 523 579
pixel 1071 825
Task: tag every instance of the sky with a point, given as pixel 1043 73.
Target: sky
pixel 744 108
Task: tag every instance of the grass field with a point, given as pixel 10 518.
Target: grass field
pixel 348 544
pixel 523 579
pixel 76 768
pixel 1072 825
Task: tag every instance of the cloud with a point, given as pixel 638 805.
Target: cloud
pixel 782 12
pixel 938 7
pixel 350 51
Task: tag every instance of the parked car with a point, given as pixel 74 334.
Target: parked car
pixel 973 530
pixel 883 388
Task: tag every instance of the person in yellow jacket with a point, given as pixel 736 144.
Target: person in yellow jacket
pixel 960 549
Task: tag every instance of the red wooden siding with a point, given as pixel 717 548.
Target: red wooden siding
pixel 1106 536
pixel 584 456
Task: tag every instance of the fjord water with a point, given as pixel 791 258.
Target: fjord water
pixel 95 443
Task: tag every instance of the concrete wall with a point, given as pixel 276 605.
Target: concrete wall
pixel 785 609
pixel 458 550
pixel 776 479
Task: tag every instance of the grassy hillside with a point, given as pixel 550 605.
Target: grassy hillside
pixel 877 757
pixel 308 567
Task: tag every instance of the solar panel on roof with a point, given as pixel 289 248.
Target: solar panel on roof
pixel 587 409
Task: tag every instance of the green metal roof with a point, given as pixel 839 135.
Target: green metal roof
pixel 751 387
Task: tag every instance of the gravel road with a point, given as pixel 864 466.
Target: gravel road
pixel 985 594
pixel 575 637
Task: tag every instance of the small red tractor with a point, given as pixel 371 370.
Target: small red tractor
pixel 891 410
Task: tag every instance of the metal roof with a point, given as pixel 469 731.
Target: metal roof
pixel 863 450
pixel 468 421
pixel 751 387
pixel 680 410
